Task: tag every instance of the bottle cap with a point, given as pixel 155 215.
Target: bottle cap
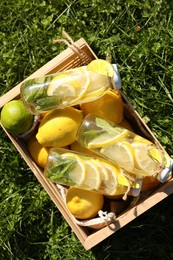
pixel 117 78
pixel 166 173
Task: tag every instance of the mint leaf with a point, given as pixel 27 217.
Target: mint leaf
pixel 47 103
pixel 107 127
pixel 89 135
pixel 59 172
pixel 31 94
pixel 34 89
pixel 103 127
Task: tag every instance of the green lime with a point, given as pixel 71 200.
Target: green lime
pixel 15 118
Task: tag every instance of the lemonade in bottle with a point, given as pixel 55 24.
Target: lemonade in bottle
pixel 67 88
pixel 130 151
pixel 70 168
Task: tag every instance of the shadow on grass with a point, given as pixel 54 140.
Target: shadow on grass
pixel 149 236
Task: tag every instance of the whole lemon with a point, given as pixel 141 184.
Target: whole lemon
pixel 84 204
pixel 109 107
pixel 15 118
pixel 59 127
pixel 37 151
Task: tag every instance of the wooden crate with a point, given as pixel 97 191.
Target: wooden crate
pixel 87 236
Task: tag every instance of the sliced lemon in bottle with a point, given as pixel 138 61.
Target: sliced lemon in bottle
pixel 105 176
pixel 78 173
pixel 70 86
pixel 102 170
pixel 112 183
pixel 139 138
pixel 160 156
pixel 122 180
pixel 101 66
pixel 120 153
pixel 112 186
pixel 59 85
pixel 106 139
pixel 98 86
pixel 144 161
pixel 92 95
pixel 92 179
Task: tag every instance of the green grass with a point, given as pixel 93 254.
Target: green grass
pixel 138 36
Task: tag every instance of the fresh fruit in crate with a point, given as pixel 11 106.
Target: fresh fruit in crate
pixel 109 107
pixel 83 204
pixel 16 118
pixel 89 87
pixel 59 127
pixel 37 151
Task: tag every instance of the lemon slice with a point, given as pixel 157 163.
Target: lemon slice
pixel 105 177
pixel 122 180
pixel 113 180
pixel 70 154
pixel 92 179
pixel 120 153
pixel 59 85
pixel 102 67
pixel 147 164
pixel 160 156
pixel 102 170
pixel 109 181
pixel 139 138
pixel 99 84
pixel 70 86
pixel 78 173
pixel 111 185
pixel 82 83
pixel 106 139
pixel 92 95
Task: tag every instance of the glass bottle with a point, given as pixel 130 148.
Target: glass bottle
pixel 127 149
pixel 67 88
pixel 71 168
